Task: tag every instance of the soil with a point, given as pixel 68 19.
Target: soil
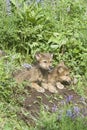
pixel 33 102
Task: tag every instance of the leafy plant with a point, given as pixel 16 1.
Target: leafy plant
pixel 62 119
pixel 58 27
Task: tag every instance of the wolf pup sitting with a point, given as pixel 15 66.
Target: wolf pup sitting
pixel 38 73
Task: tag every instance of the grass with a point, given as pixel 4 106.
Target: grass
pixel 67 117
pixel 12 95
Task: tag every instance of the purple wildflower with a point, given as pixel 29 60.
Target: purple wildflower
pixel 76 110
pixel 69 98
pixel 27 66
pixel 63 102
pixel 60 114
pixel 54 108
pixel 82 99
pixel 69 113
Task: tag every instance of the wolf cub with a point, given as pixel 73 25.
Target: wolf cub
pixel 60 74
pixel 58 77
pixel 38 73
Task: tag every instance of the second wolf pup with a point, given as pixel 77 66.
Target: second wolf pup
pixel 59 75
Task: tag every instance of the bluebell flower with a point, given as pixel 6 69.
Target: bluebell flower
pixel 63 102
pixel 27 66
pixel 76 110
pixel 82 99
pixel 54 108
pixel 69 113
pixel 69 98
pixel 60 114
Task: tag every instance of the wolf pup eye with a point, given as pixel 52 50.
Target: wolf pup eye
pixel 50 61
pixel 45 61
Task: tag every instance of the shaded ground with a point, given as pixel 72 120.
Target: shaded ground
pixel 33 101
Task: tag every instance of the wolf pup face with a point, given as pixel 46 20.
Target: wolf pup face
pixel 63 74
pixel 44 60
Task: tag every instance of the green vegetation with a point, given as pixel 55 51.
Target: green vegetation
pixel 58 27
pixel 62 120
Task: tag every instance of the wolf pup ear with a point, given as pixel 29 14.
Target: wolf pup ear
pixel 51 55
pixel 60 70
pixel 37 56
pixel 61 63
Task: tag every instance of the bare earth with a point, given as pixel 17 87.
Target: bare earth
pixel 33 100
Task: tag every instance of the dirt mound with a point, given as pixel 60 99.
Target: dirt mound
pixel 34 100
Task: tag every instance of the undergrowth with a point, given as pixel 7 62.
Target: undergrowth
pixel 58 27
